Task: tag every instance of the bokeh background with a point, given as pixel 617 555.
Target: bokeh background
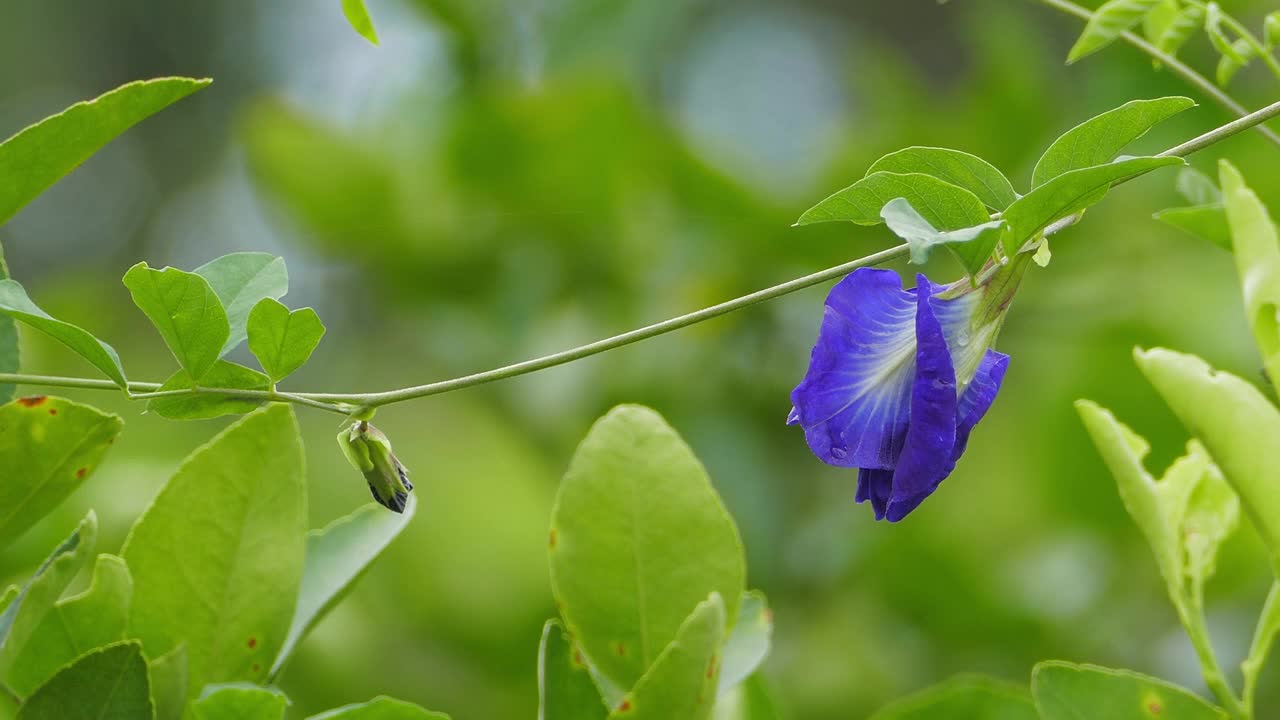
pixel 504 178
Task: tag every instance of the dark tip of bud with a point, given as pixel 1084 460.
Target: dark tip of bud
pixel 399 502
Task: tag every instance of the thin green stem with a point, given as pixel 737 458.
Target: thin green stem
pixel 1263 638
pixel 1176 66
pixel 347 403
pixel 1191 613
pixel 617 341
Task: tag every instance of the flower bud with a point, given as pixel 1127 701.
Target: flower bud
pixel 369 451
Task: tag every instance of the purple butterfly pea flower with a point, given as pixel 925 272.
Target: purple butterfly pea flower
pixel 899 378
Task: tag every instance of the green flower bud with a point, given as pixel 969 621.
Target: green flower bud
pixel 369 451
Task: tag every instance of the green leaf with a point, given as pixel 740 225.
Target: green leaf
pixel 336 558
pixel 240 701
pixel 1068 194
pixel 565 688
pixel 964 697
pixel 1271 30
pixel 1181 29
pixel 972 246
pixel 750 700
pixel 1097 140
pixel 381 708
pixel 1230 65
pixel 41 154
pixel 958 168
pixel 168 675
pixel 15 304
pixel 186 311
pixel 1257 253
pixel 682 681
pixel 1213 19
pixel 1236 423
pixel 1213 514
pixel 241 280
pixel 1198 188
pixel 1207 222
pixel 48 448
pixel 638 538
pixel 225 375
pixel 945 206
pixel 748 644
pixel 76 625
pixel 1185 516
pixel 1107 23
pixel 1159 19
pixel 1066 691
pixel 110 682
pixel 233 521
pixel 358 15
pixel 26 611
pixel 9 346
pixel 282 340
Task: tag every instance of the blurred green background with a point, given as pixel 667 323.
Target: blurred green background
pixel 504 178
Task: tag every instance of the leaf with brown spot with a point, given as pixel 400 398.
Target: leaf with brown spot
pixel 218 556
pixel 677 684
pixel 1066 691
pixel 641 539
pixel 46 457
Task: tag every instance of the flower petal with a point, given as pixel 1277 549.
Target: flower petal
pixel 927 453
pixel 876 486
pixel 854 401
pixel 976 399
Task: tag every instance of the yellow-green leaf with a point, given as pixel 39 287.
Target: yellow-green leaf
pixel 48 448
pixel 1257 252
pixel 30 606
pixel 639 537
pixel 110 682
pixel 336 558
pixel 1236 423
pixel 565 688
pixel 241 280
pixel 239 701
pixel 358 15
pixel 282 340
pixel 964 697
pixel 186 311
pixel 76 625
pixel 682 681
pixel 232 523
pixel 1107 23
pixel 1066 691
pixel 15 303
pixel 41 154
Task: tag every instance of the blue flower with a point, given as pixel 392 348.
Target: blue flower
pixel 899 378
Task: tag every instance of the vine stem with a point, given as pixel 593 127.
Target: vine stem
pixel 348 403
pixel 1176 66
pixel 1190 609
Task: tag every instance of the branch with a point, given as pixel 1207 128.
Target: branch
pixel 1179 68
pixel 348 403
